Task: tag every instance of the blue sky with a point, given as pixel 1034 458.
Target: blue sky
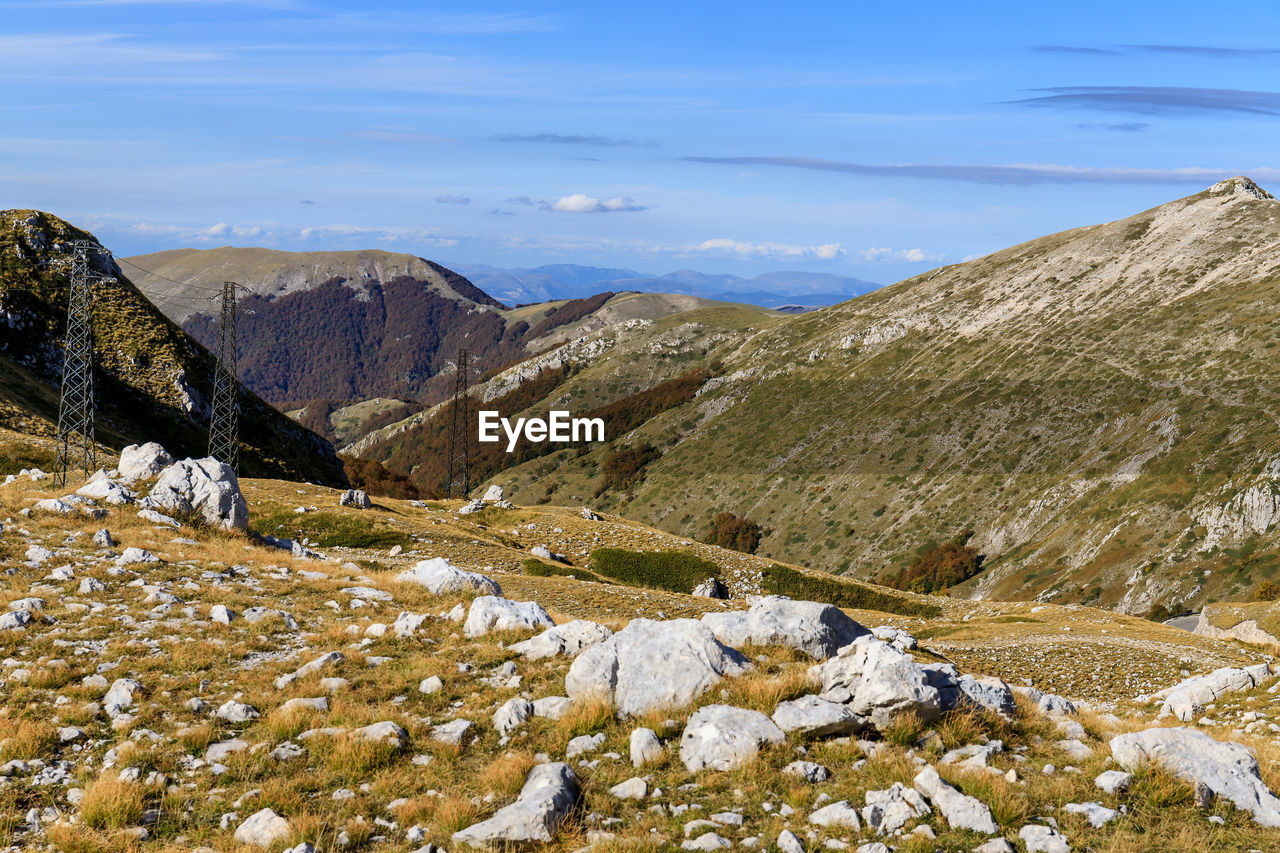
pixel 874 140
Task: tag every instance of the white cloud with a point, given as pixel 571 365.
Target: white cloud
pixel 583 203
pixel 910 256
pixel 745 249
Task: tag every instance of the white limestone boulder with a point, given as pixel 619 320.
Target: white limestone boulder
pixel 651 665
pixel 489 613
pixel 1229 770
pixel 818 630
pixel 884 682
pixel 440 577
pixel 203 486
pixel 550 793
pixel 721 737
pixel 143 461
pixel 569 640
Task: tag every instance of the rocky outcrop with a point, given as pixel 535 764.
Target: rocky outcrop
pixel 721 737
pixel 818 630
pixel 569 639
pixel 1246 631
pixel 143 462
pixel 206 487
pixel 884 683
pixel 1186 699
pixel 549 795
pixel 489 613
pixel 441 577
pixel 652 665
pixel 1228 770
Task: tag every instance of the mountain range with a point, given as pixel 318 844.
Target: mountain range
pixel 570 281
pixel 1091 411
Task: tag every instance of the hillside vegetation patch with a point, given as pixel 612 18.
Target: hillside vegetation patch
pixel 675 571
pixel 780 580
pixel 330 530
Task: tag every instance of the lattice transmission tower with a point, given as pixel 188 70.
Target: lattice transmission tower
pixel 460 429
pixel 224 422
pixel 75 408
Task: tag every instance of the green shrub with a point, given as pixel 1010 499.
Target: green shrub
pixel 539 569
pixel 780 580
pixel 676 571
pixel 329 530
pixel 1268 591
pixel 21 455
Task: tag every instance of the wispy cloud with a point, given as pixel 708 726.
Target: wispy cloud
pixel 583 203
pixel 910 256
pixel 393 234
pixel 400 134
pixel 452 199
pixel 766 250
pixel 1012 174
pixel 1156 100
pixel 573 139
pixel 1122 127
pixel 1197 50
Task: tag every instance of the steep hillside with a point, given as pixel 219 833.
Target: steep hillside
pixel 1098 406
pixel 322 330
pixel 153 381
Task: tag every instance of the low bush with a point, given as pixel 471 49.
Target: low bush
pixel 938 567
pixel 780 580
pixel 735 532
pixel 539 569
pixel 675 571
pixel 329 529
pixel 624 468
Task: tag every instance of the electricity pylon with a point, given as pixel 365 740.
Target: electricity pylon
pixel 224 421
pixel 75 408
pixel 460 430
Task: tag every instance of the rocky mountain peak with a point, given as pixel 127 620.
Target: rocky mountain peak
pixel 1241 185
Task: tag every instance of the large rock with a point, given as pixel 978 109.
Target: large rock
pixel 988 692
pixel 355 498
pixel 960 810
pixel 490 613
pixel 652 665
pixel 142 462
pixel 548 797
pixel 816 717
pixel 263 829
pixel 1186 699
pixel 722 737
pixel 1227 769
pixel 818 630
pixel 645 747
pixel 889 810
pixel 442 578
pixel 105 490
pixel 884 682
pixel 512 715
pixel 203 486
pixel 569 639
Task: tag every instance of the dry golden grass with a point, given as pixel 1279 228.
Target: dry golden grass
pixel 112 804
pixel 762 691
pixel 586 715
pixel 506 775
pixel 25 738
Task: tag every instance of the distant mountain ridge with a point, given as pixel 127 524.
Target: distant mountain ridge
pixel 570 281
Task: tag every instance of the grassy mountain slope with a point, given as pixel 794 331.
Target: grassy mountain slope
pixel 153 381
pixel 1098 405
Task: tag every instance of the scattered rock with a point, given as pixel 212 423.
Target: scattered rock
pixel 810 772
pixel 442 578
pixel 143 462
pixel 722 737
pixel 1227 769
pixel 960 810
pixel 568 639
pixel 645 747
pixel 813 716
pixel 263 829
pixel 489 613
pixel 1096 813
pixel 884 682
pixel 548 797
pixel 451 732
pixel 204 486
pixel 512 715
pixel 232 711
pixel 711 588
pixel 1114 781
pixel 355 498
pixel 325 660
pixel 1043 839
pixel 839 814
pixel 818 630
pixel 650 665
pixel 634 788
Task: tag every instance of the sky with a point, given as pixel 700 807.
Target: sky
pixel 871 140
